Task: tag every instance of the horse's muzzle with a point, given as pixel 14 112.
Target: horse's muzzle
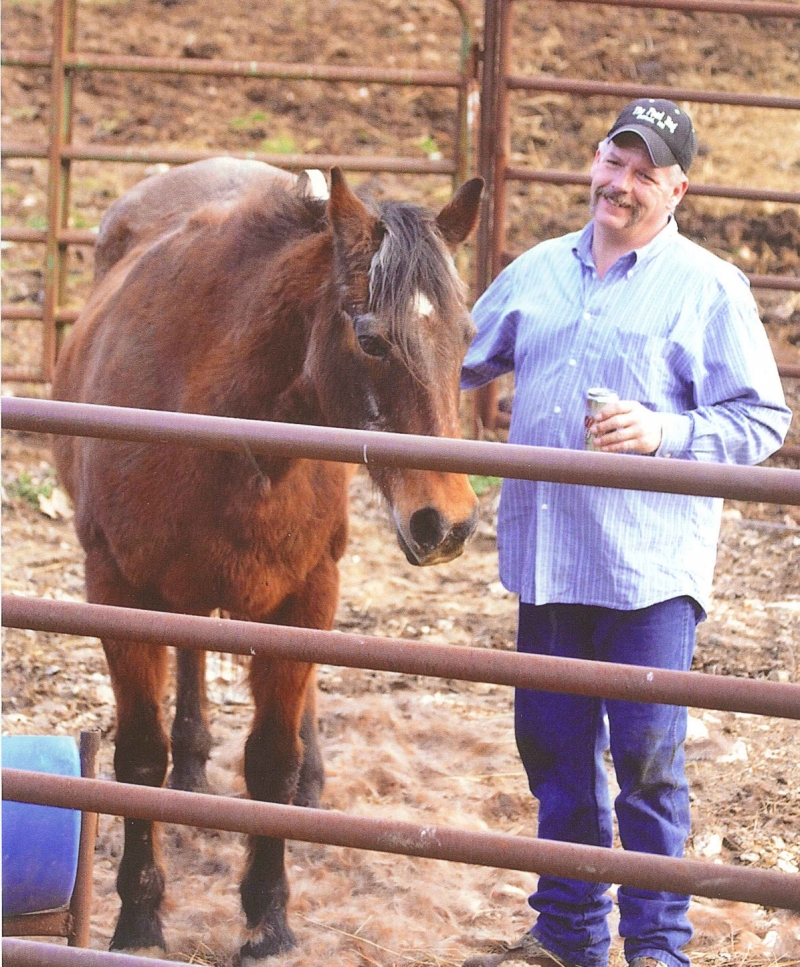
pixel 432 539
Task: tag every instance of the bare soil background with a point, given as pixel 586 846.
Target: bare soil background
pixel 399 746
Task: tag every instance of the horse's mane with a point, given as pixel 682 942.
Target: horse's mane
pixel 412 260
pixel 282 215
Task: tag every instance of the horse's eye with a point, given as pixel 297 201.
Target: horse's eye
pixel 373 345
pixel 369 337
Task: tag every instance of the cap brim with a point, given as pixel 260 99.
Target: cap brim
pixel 660 154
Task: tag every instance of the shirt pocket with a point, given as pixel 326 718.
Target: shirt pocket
pixel 639 367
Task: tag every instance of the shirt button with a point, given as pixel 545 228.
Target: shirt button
pixel 573 362
pixel 556 409
pixel 544 506
pixel 587 316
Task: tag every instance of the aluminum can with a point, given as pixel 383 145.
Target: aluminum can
pixel 596 399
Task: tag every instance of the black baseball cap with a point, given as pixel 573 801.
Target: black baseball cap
pixel 665 129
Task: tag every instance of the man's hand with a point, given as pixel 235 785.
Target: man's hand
pixel 625 426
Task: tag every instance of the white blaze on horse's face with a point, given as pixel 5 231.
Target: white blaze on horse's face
pixel 422 305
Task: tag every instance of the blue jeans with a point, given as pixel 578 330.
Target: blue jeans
pixel 561 741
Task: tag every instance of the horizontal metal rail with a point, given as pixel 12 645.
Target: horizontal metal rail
pixel 19 312
pixel 742 7
pixel 546 82
pixel 57 923
pixel 545 857
pixel 34 953
pixel 571 676
pixel 66 236
pixel 264 70
pixel 628 472
pixel 179 156
pixel 518 173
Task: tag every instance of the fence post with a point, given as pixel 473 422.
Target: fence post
pixel 58 178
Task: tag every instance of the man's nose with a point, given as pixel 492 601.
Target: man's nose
pixel 623 179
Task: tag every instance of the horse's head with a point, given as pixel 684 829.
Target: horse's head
pixel 398 331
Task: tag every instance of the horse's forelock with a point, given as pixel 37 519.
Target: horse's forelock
pixel 412 262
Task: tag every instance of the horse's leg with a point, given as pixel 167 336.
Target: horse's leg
pixel 138 675
pixel 191 739
pixel 272 759
pixel 312 770
pixel 275 764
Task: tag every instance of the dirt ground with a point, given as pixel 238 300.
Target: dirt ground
pixel 401 746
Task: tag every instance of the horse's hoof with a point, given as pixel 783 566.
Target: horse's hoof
pixel 140 935
pixel 272 941
pixel 152 953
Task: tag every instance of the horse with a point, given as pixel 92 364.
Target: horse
pixel 234 288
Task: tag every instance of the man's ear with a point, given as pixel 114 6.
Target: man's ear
pixel 678 191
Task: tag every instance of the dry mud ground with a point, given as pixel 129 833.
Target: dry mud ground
pixel 398 746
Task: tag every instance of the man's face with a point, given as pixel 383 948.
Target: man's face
pixel 629 195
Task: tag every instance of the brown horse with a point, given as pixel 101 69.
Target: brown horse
pixel 227 287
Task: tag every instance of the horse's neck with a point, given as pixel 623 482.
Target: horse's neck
pixel 262 371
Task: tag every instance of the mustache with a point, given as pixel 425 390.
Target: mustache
pixel 615 197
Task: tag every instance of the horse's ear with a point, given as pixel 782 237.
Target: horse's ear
pixel 352 222
pixel 457 219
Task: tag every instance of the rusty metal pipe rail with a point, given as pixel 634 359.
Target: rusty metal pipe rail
pixel 571 676
pixel 519 173
pixel 545 82
pixel 66 236
pixel 263 70
pixel 34 953
pixel 545 857
pixel 741 7
pixel 133 154
pixel 771 484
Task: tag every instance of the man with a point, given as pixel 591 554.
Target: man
pixel 619 575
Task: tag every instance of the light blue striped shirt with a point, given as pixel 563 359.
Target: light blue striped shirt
pixel 669 325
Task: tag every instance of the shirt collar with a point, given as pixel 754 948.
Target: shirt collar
pixel 582 249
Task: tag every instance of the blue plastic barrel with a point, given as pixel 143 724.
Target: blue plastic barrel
pixel 40 843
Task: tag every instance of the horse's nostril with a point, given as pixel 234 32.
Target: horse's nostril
pixel 427 528
pixel 461 532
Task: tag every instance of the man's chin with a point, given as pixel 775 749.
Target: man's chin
pixel 611 216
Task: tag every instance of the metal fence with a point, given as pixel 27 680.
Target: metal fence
pixel 766 887
pixel 497 84
pixel 65 62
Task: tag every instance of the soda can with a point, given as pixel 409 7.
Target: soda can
pixel 596 399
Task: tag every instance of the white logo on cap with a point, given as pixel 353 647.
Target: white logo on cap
pixel 657 118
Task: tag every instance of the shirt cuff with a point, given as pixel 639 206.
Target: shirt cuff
pixel 676 434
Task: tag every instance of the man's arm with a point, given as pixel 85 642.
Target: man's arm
pixel 491 353
pixel 740 416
